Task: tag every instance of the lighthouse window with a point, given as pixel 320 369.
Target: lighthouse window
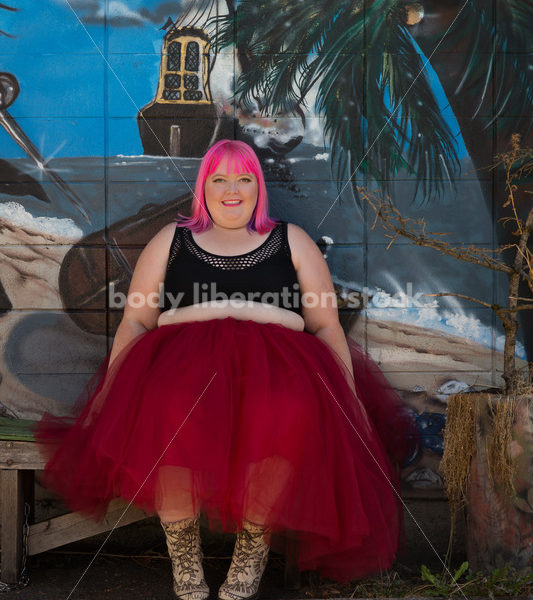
pixel 172 81
pixel 192 96
pixel 190 82
pixel 192 57
pixel 172 85
pixel 174 56
pixel 172 95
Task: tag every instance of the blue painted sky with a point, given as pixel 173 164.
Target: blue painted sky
pixel 83 82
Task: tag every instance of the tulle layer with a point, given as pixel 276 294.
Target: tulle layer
pixel 240 420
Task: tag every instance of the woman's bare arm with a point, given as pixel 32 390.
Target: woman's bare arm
pixel 149 273
pixel 321 316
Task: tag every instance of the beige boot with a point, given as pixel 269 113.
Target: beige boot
pixel 249 560
pixel 185 551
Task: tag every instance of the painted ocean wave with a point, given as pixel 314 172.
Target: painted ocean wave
pixel 15 214
pixel 460 322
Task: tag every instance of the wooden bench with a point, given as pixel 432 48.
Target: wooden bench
pixel 19 459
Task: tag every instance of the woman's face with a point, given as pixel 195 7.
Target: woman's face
pixel 230 197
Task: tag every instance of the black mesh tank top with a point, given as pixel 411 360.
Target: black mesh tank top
pixel 265 274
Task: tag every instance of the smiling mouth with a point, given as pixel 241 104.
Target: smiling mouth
pixel 231 202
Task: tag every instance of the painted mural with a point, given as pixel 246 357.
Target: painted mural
pixel 106 107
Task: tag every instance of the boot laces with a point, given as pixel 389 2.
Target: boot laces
pixel 249 554
pixel 189 552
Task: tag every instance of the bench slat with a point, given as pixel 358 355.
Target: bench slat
pixel 20 455
pixel 75 526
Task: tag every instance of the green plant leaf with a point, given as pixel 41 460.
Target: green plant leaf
pixel 460 571
pixel 427 575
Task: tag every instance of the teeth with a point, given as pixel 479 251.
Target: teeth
pixel 231 202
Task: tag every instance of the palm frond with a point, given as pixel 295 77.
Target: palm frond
pixel 395 109
pixel 274 90
pixel 513 69
pixel 11 8
pixel 489 60
pixel 372 89
pixel 520 12
pixel 262 30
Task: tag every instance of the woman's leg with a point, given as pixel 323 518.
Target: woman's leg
pixel 185 551
pixel 181 524
pixel 267 483
pixel 248 563
pixel 174 496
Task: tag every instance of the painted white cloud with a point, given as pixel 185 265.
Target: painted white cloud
pixel 119 10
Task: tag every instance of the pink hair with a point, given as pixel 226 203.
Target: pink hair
pixel 242 159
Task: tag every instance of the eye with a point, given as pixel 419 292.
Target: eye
pixel 218 179
pixel 246 179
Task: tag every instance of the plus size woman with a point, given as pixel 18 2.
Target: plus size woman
pixel 234 397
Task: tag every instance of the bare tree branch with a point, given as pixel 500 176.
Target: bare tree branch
pixel 470 298
pixel 390 218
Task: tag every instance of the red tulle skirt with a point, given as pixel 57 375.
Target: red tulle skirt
pixel 242 420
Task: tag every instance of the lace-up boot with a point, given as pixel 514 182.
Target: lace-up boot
pixel 248 563
pixel 185 551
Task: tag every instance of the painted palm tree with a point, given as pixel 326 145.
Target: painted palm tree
pixel 366 60
pixel 365 57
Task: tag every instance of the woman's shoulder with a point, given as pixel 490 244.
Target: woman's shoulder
pixel 153 259
pixel 302 245
pixel 168 231
pixel 298 236
pixel 163 238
